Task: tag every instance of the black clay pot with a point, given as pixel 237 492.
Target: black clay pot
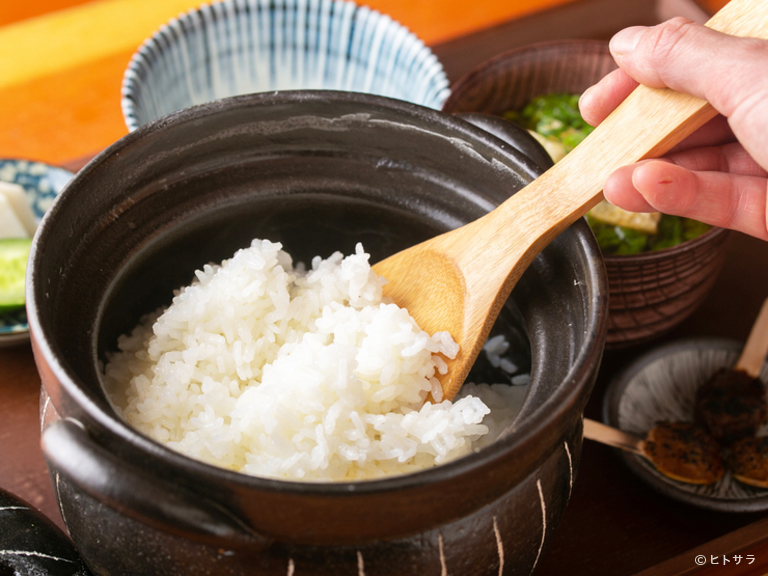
pixel 317 171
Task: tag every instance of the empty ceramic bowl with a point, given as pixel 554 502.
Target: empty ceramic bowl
pixel 661 385
pixel 41 183
pixel 243 46
pixel 650 292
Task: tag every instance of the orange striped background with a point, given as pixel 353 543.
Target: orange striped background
pixel 63 61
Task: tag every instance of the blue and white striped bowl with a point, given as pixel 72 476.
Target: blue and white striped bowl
pixel 243 46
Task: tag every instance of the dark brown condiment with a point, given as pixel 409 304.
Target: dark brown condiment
pixel 684 451
pixel 731 405
pixel 748 461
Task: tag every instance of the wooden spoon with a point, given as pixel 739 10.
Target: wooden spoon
pixel 682 451
pixel 756 347
pixel 731 405
pixel 458 281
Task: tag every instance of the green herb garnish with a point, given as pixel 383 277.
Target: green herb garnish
pixel 556 116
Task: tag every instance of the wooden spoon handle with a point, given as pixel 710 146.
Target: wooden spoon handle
pixel 598 432
pixel 646 125
pixel 756 348
pixel 459 281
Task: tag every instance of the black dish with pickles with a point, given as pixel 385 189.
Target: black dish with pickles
pixel 554 119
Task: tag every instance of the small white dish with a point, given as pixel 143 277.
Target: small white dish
pixel 238 47
pixel 661 385
pixel 41 183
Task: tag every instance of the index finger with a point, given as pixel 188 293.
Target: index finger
pixel 598 101
pixel 727 71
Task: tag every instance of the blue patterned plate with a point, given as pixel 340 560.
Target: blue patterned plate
pixel 41 184
pixel 661 385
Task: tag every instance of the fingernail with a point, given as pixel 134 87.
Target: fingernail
pixel 624 42
pixel 585 97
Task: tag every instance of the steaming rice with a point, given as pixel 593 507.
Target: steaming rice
pixel 276 371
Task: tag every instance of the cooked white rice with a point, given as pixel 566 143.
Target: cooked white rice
pixel 271 370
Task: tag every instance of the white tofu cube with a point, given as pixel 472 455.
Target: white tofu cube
pixel 10 225
pixel 18 200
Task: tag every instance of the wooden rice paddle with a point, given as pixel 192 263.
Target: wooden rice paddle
pixel 756 348
pixel 458 281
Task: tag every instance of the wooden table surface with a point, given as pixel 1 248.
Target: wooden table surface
pixel 615 525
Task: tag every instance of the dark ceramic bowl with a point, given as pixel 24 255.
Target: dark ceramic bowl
pixel 652 292
pixel 317 171
pixel 661 385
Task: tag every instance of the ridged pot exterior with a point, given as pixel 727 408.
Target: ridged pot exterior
pixel 318 171
pixel 487 542
pixel 649 294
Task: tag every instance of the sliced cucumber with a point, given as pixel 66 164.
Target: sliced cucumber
pixel 14 253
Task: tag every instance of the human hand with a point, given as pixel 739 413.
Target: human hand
pixel 718 174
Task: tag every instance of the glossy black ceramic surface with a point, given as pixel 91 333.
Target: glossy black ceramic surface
pixel 30 544
pixel 317 171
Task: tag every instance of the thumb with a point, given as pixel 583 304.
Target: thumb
pixel 727 71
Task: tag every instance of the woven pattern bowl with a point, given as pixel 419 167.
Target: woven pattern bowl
pixel 244 46
pixel 649 293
